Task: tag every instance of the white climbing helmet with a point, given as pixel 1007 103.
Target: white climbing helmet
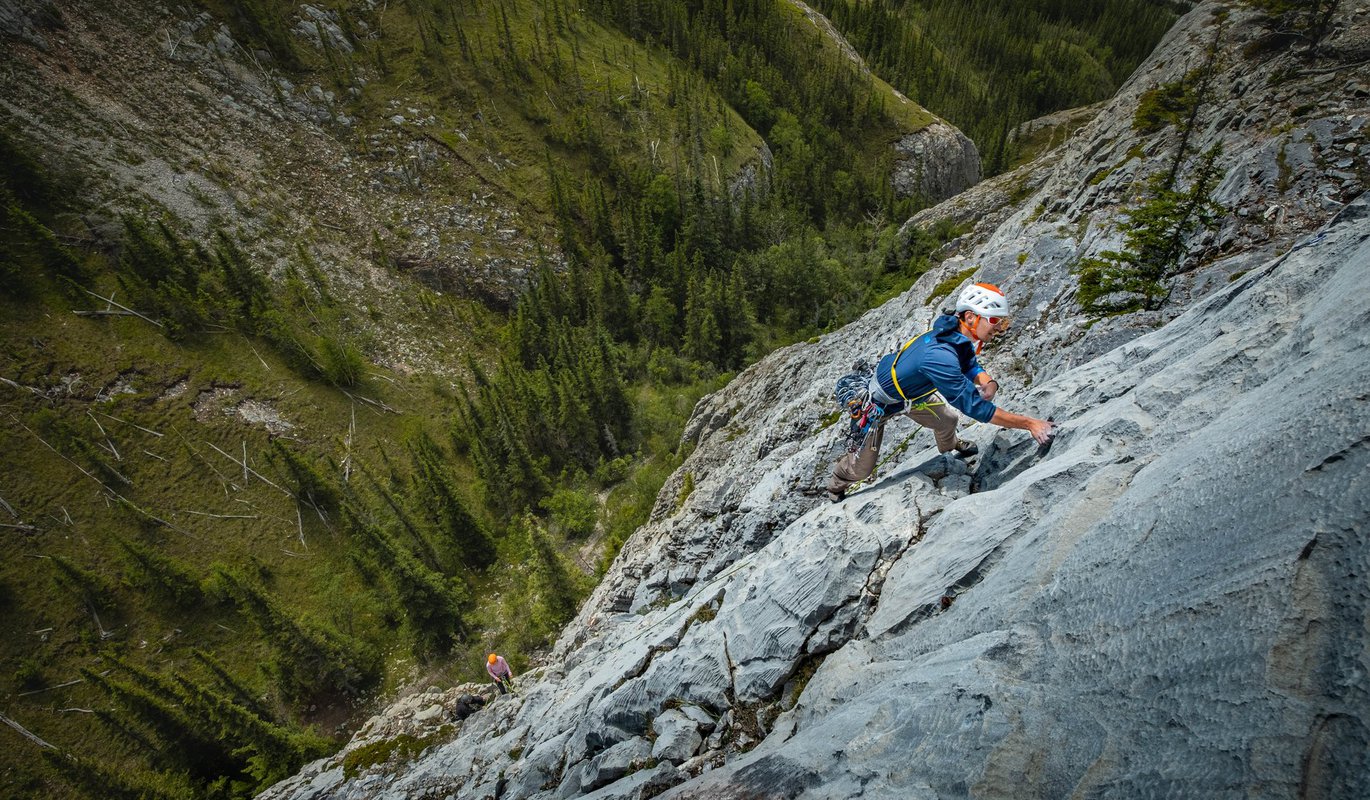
pixel 984 299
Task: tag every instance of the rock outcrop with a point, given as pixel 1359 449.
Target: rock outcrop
pixel 936 162
pixel 1172 601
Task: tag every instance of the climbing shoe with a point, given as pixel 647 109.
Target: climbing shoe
pixel 836 497
pixel 965 449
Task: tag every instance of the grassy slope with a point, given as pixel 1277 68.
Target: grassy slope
pixel 166 448
pixel 513 124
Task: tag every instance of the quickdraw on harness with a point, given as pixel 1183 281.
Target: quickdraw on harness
pixel 853 395
pixel 863 417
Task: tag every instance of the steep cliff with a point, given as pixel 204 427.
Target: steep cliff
pixel 1171 602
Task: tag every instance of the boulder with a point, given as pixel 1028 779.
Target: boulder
pixel 677 737
pixel 614 763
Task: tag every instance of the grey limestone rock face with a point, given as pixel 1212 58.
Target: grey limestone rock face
pixel 321 29
pixel 1171 602
pixel 640 785
pixel 30 22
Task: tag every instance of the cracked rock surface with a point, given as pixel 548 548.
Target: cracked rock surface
pixel 1171 602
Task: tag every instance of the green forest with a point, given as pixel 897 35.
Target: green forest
pixel 194 608
pixel 987 66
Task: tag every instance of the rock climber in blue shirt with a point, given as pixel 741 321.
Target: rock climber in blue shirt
pixel 933 374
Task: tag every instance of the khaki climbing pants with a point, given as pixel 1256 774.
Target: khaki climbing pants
pixel 856 467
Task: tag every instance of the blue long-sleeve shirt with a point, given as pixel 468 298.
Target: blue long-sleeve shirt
pixel 942 360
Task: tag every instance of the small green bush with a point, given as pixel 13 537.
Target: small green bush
pixel 706 613
pixel 29 676
pixel 343 364
pixel 613 471
pixel 687 487
pixel 946 286
pixel 1167 104
pixel 574 511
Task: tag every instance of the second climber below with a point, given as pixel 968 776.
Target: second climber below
pixel 500 672
pixel 932 377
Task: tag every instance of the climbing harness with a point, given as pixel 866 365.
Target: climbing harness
pixel 911 402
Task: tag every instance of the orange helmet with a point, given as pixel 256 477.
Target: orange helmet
pixel 491 659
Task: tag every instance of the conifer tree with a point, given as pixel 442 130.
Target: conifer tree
pixel 24 179
pixel 616 409
pixel 702 333
pixel 615 304
pixel 405 517
pixel 196 751
pixel 266 751
pixel 159 272
pixel 94 780
pixel 474 546
pixel 244 285
pixel 126 733
pixel 19 277
pixel 555 592
pixel 432 603
pixel 308 660
pixel 659 317
pixel 1156 236
pixel 739 318
pixel 574 429
pixel 167 578
pixel 202 724
pixel 230 684
pixel 311 486
pixel 54 257
pixel 91 588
